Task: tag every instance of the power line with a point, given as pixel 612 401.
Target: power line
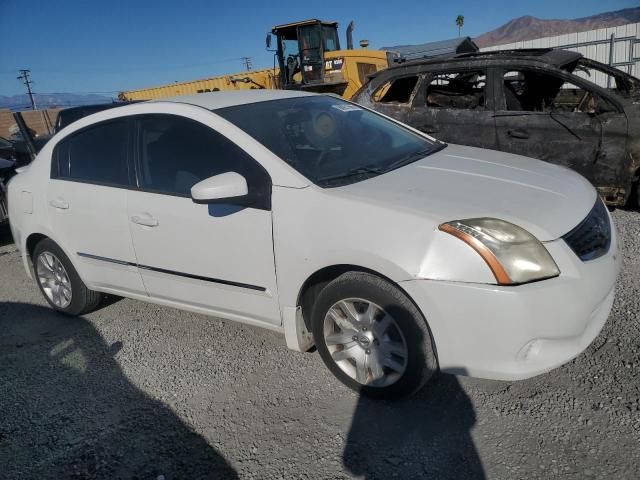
pixel 247 63
pixel 24 76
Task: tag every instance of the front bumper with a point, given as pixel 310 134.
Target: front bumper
pixel 511 333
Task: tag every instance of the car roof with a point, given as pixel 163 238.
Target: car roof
pixel 558 58
pixel 216 100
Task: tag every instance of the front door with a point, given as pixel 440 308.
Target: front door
pixel 543 116
pixel 86 199
pixel 214 257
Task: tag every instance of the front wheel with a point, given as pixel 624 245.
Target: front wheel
pixel 372 337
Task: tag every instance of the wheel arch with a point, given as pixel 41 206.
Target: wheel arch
pixel 32 240
pixel 312 286
pixel 30 243
pixel 320 278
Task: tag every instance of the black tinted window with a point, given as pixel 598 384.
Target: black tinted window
pixel 177 153
pixel 97 154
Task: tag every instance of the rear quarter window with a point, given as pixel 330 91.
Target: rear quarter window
pixel 398 90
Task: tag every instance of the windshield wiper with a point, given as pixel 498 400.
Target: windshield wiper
pixel 352 173
pixel 414 156
pixel 410 158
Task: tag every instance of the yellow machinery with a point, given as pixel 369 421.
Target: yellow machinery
pixel 309 58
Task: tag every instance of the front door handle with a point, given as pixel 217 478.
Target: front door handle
pixel 145 220
pixel 517 133
pixel 59 203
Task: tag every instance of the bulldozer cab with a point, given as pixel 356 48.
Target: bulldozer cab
pixel 300 50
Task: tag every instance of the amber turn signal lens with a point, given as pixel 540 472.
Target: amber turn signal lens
pixel 498 271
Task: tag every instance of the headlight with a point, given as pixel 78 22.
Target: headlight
pixel 513 254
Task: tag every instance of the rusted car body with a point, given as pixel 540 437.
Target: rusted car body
pixel 540 103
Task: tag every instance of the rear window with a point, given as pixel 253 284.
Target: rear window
pixel 97 154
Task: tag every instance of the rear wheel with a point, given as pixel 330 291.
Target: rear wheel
pixel 372 337
pixel 59 282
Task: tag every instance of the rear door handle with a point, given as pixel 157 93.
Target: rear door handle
pixel 145 220
pixel 517 133
pixel 59 203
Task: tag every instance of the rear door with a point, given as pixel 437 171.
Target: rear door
pixel 456 106
pixel 557 118
pixel 87 205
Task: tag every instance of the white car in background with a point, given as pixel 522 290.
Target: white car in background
pixel 395 254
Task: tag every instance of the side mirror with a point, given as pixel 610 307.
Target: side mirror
pixel 268 41
pixel 224 188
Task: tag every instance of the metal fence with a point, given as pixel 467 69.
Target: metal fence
pixel 615 46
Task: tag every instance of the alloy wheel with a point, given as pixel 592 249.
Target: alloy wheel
pixel 54 280
pixel 365 342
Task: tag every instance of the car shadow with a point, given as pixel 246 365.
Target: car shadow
pixel 425 436
pixel 68 411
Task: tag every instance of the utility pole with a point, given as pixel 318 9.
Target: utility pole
pixel 247 63
pixel 24 76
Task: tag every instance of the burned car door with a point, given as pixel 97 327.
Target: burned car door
pixel 455 106
pixel 557 118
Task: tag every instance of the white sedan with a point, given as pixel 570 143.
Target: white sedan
pixel 395 254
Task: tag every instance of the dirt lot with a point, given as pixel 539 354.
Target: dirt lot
pixel 139 391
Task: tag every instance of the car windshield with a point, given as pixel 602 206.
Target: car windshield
pixel 328 140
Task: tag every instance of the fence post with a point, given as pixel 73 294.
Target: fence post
pixel 612 43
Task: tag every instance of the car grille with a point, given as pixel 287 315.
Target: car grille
pixel 592 237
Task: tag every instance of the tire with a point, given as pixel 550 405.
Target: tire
pixel 76 298
pixel 398 354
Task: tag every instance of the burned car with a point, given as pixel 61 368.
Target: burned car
pixel 540 103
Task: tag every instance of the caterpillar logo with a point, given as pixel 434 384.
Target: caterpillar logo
pixel 334 64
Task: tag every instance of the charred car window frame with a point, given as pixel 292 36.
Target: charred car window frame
pixel 501 98
pixel 389 84
pixel 429 76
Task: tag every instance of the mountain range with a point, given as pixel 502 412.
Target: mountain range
pixel 529 28
pixel 52 100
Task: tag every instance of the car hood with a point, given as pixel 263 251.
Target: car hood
pixel 461 182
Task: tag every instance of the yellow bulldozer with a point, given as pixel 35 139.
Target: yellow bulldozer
pixel 307 57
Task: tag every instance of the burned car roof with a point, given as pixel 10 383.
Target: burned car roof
pixel 550 56
pixel 552 105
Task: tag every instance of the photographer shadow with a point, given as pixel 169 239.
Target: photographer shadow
pixel 426 436
pixel 68 411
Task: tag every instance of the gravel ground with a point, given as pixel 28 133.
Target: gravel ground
pixel 139 391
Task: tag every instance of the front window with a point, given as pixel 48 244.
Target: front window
pixel 534 91
pixel 330 39
pixel 330 141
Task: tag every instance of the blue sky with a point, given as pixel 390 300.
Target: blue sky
pixel 99 46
